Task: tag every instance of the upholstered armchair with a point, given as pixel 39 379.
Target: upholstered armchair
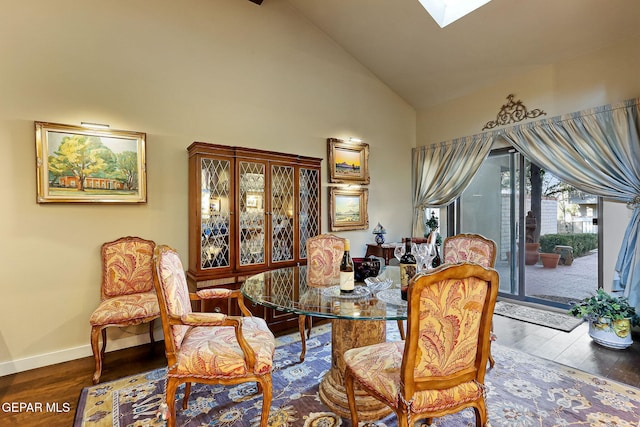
pixel 439 369
pixel 324 254
pixel 471 248
pixel 127 294
pixel 209 348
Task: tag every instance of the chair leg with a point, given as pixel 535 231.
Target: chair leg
pixel 172 386
pixel 267 396
pixel 403 419
pixel 98 353
pixel 151 339
pixel 401 329
pixel 481 413
pixel 187 393
pixel 303 339
pixel 104 341
pixel 351 396
pixel 309 326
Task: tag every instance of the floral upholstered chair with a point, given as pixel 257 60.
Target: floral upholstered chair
pixel 439 369
pixel 209 348
pixel 127 293
pixel 472 248
pixel 324 254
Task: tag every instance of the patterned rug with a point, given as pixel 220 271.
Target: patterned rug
pixel 550 319
pixel 522 391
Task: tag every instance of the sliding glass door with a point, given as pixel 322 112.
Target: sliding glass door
pixel 489 207
pixel 530 213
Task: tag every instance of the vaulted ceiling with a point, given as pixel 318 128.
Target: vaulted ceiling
pixel 427 65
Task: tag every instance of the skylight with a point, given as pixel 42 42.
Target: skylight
pixel 444 12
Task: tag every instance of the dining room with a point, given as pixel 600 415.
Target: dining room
pixel 277 77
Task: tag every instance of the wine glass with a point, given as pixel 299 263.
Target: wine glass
pixel 398 252
pixel 426 253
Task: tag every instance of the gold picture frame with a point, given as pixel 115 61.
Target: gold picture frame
pixel 214 204
pixel 348 162
pixel 81 165
pixel 254 201
pixel 348 209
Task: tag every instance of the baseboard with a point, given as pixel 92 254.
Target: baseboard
pixel 66 355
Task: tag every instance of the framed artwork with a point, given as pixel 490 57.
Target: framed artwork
pixel 254 201
pixel 348 209
pixel 348 162
pixel 80 165
pixel 214 204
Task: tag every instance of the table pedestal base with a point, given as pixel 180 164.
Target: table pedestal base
pixel 347 334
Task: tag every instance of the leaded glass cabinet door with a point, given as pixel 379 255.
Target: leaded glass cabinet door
pixel 215 213
pixel 252 199
pixel 309 207
pixel 283 212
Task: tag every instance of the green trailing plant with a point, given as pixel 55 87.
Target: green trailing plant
pixel 432 222
pixel 606 306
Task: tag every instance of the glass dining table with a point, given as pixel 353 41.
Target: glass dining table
pixel 358 319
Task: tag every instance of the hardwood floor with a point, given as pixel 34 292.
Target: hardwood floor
pixel 575 349
pixel 61 384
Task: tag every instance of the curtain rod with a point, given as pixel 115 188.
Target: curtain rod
pixel 540 122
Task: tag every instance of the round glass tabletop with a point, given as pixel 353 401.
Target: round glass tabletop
pixel 287 289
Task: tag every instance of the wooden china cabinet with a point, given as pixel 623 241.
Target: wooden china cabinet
pixel 249 211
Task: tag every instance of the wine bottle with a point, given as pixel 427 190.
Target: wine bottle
pixel 346 270
pixel 436 260
pixel 408 267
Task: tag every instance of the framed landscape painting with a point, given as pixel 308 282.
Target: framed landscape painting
pixel 348 209
pixel 80 165
pixel 348 162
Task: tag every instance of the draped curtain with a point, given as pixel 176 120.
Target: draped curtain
pixel 596 151
pixel 442 171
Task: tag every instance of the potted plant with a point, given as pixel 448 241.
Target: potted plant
pixel 610 318
pixel 531 253
pixel 549 260
pixel 431 224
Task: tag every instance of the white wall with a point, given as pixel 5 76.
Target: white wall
pixel 603 77
pixel 221 71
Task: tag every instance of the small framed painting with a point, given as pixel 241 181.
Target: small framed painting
pixel 81 165
pixel 254 201
pixel 348 209
pixel 348 162
pixel 214 204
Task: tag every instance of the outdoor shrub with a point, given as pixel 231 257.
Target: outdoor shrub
pixel 581 243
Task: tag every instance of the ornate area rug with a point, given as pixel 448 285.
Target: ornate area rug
pixel 550 319
pixel 522 391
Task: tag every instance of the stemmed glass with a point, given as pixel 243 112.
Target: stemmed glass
pixel 425 253
pixel 398 252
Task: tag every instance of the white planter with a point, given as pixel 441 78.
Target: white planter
pixel 616 335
